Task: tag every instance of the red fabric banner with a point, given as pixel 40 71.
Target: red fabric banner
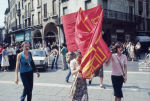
pixel 85 34
pixel 69 22
pixel 89 40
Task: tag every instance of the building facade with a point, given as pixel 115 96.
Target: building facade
pixel 122 20
pixel 1 34
pixel 36 21
pixel 39 21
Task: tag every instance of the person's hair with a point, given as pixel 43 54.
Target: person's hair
pixel 4 47
pixel 116 46
pixel 78 53
pixel 24 43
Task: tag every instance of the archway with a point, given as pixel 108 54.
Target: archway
pixel 50 34
pixel 37 39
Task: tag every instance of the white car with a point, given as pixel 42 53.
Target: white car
pixel 40 58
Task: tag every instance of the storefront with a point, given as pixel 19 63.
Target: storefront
pixel 28 35
pixel 19 37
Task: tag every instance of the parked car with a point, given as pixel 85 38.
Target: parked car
pixel 40 58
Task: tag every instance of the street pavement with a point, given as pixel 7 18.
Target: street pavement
pixel 51 86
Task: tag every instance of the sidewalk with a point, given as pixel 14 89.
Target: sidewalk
pixel 51 87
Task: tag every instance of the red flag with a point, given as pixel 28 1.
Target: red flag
pixel 89 40
pixel 69 22
pixel 83 31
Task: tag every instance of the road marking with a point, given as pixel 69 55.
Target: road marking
pixel 129 72
pixel 69 85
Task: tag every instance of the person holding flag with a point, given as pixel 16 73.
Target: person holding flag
pixel 79 89
pixel 119 70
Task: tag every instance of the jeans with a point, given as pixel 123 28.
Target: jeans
pixel 68 75
pixel 64 63
pixel 54 62
pixel 27 80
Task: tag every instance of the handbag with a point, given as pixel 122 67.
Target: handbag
pixel 122 72
pixel 32 63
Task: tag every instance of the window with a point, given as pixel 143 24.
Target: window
pixel 22 4
pixel 33 20
pixel 63 1
pixel 38 1
pixel 23 20
pixel 148 23
pixel 65 10
pixel 29 22
pixel 147 7
pixel 32 4
pixel 54 7
pixel 131 10
pixel 39 18
pixel 88 4
pixel 19 5
pixel 140 7
pixel 26 23
pixel 29 10
pixel 104 4
pixel 10 15
pixel 14 12
pixel 25 11
pixel 16 7
pixel 45 10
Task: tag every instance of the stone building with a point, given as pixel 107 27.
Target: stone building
pixel 122 20
pixel 1 34
pixel 39 21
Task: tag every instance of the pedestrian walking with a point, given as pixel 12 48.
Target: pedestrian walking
pixel 54 47
pixel 147 58
pixel 1 49
pixel 137 50
pixel 14 56
pixel 100 74
pixel 64 52
pixel 5 62
pixel 10 56
pixel 128 47
pixel 54 54
pixel 119 70
pixel 132 53
pixel 69 56
pixel 79 87
pixel 25 65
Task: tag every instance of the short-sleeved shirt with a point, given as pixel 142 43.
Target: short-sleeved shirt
pixel 64 51
pixel 116 68
pixel 10 51
pixel 74 65
pixel 4 52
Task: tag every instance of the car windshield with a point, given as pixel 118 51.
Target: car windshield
pixel 143 34
pixel 38 53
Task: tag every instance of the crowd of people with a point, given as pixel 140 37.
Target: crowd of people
pixel 70 61
pixel 131 50
pixel 8 52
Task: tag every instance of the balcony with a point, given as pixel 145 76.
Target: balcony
pixel 18 27
pixel 131 0
pixel 110 14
